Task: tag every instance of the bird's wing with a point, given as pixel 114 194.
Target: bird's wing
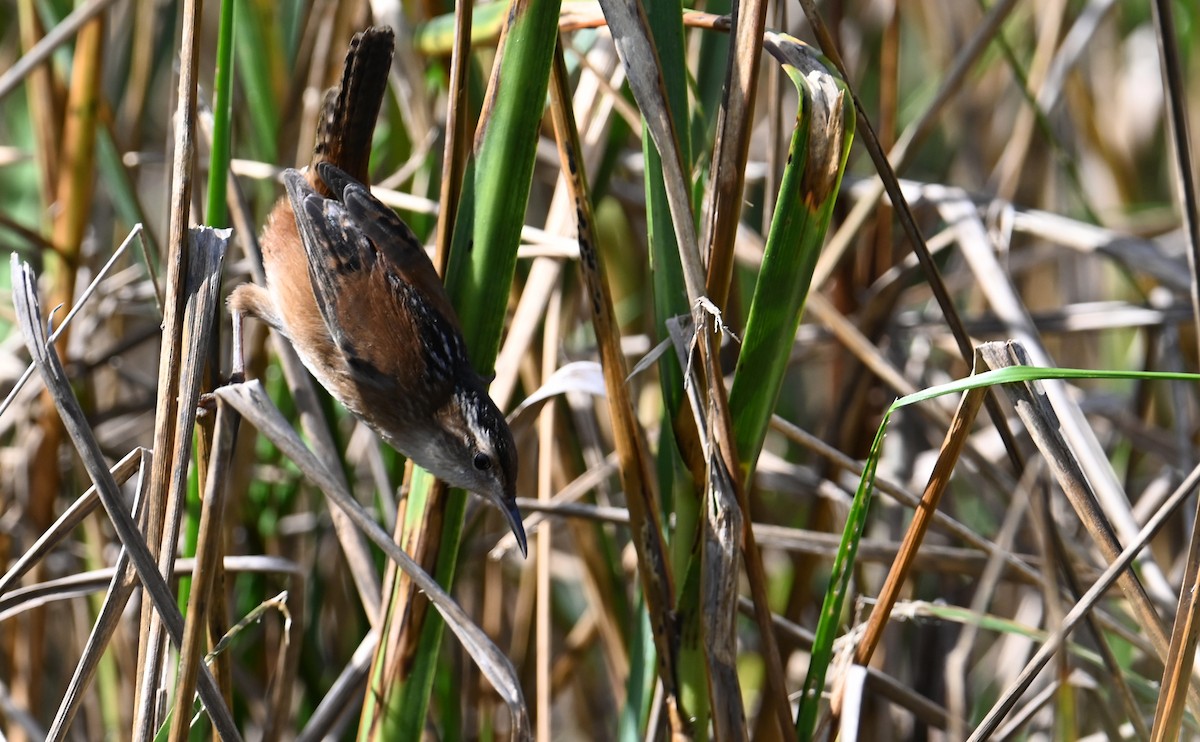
pixel 399 249
pixel 375 315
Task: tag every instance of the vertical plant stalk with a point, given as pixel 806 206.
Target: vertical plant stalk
pixel 637 475
pixel 723 532
pixel 670 288
pixel 131 117
pixel 722 541
pixel 76 174
pixel 217 215
pixel 457 135
pixel 1186 633
pixel 547 451
pixel 816 160
pixel 1177 672
pixel 258 67
pixel 205 261
pixel 1169 713
pixel 1175 94
pixel 209 552
pixel 670 296
pixel 73 192
pixel 42 109
pixel 175 409
pixel 728 175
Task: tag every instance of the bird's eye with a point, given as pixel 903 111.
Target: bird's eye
pixel 483 462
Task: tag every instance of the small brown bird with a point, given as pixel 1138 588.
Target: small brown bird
pixel 350 285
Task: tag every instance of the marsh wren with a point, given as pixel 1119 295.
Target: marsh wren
pixel 350 285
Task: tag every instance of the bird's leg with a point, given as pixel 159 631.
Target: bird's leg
pixel 237 373
pixel 237 360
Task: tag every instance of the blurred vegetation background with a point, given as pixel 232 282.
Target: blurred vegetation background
pixel 1032 145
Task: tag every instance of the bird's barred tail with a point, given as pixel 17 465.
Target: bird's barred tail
pixel 349 112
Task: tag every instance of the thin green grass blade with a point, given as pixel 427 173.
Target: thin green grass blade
pixel 670 300
pixel 839 580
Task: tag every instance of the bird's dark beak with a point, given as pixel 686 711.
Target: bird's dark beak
pixel 515 523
